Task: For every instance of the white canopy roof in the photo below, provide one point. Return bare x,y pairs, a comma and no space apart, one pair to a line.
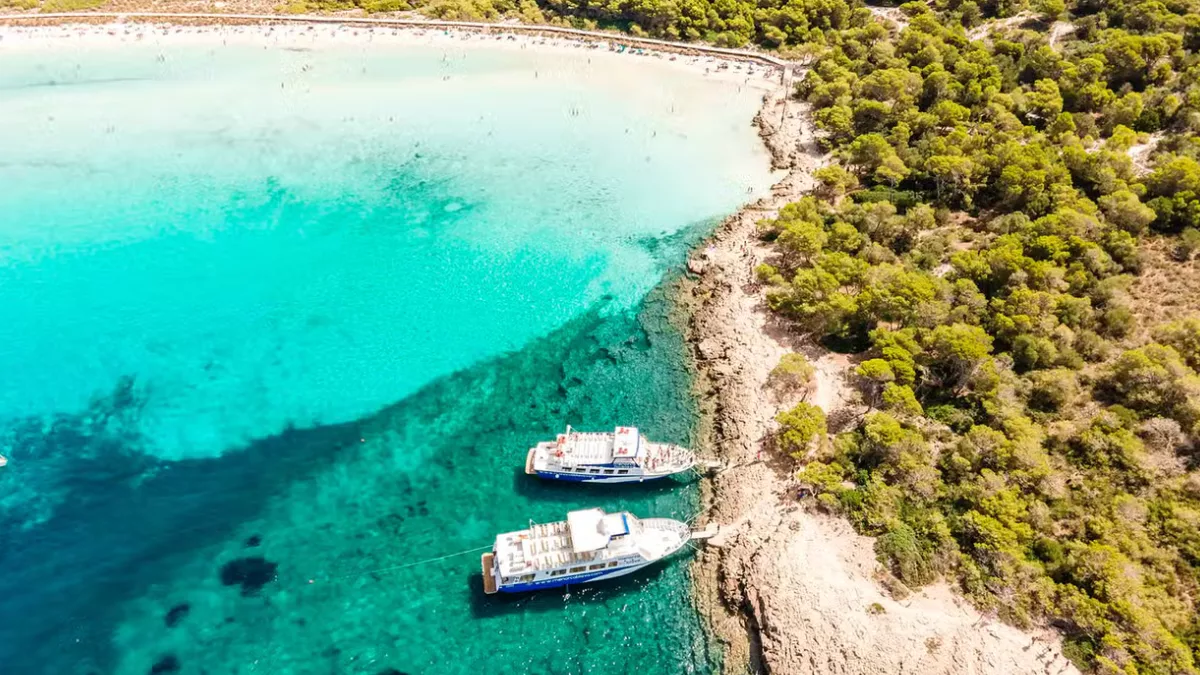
626,442
591,529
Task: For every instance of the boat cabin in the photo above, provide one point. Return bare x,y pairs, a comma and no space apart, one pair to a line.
590,543
619,456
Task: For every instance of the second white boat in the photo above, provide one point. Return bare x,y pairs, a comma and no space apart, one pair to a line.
622,456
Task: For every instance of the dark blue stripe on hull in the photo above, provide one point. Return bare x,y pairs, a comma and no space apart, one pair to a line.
576,478
556,582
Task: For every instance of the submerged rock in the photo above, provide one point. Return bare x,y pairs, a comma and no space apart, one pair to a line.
176,614
392,671
253,541
167,664
250,573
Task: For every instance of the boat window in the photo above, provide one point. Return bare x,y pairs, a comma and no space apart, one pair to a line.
622,472
576,570
608,472
597,567
594,470
527,577
612,564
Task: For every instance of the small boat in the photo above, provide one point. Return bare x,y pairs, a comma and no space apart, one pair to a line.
624,456
3,460
590,545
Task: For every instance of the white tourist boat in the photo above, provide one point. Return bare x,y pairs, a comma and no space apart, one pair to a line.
590,545
622,456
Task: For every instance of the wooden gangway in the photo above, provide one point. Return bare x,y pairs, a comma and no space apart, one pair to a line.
710,531
489,576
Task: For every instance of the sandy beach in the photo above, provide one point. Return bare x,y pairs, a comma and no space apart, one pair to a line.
36,29
587,59
786,589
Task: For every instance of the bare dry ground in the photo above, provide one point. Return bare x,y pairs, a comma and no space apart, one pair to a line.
1167,289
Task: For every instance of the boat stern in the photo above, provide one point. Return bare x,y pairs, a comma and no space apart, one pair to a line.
538,459
488,563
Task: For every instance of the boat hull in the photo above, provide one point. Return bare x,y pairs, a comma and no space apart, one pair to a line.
593,478
571,581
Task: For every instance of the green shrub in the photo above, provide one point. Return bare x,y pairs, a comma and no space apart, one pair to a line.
1052,390
55,6
1189,243
792,374
957,419
1184,337
799,427
901,550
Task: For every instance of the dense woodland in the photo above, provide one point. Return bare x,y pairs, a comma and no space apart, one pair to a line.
731,23
993,202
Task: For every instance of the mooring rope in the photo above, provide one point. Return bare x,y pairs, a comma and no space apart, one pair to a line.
405,565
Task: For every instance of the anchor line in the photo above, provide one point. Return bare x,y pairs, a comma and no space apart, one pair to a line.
405,565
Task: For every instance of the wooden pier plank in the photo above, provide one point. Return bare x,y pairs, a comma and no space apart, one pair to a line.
489,578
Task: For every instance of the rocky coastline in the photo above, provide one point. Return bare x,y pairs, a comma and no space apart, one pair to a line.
787,589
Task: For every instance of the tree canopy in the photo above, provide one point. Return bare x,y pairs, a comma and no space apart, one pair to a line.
975,244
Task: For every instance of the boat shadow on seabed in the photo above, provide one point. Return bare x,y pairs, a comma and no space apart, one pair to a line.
555,599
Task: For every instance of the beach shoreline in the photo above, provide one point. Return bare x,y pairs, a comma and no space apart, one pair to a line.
760,73
497,30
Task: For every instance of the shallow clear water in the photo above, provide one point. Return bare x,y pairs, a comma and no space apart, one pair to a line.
313,306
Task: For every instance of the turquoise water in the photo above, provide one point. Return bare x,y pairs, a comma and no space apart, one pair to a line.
307,309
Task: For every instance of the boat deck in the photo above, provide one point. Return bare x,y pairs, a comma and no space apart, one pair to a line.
588,448
489,579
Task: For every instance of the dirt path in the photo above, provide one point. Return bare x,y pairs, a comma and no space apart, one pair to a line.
893,14
1059,30
1141,153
